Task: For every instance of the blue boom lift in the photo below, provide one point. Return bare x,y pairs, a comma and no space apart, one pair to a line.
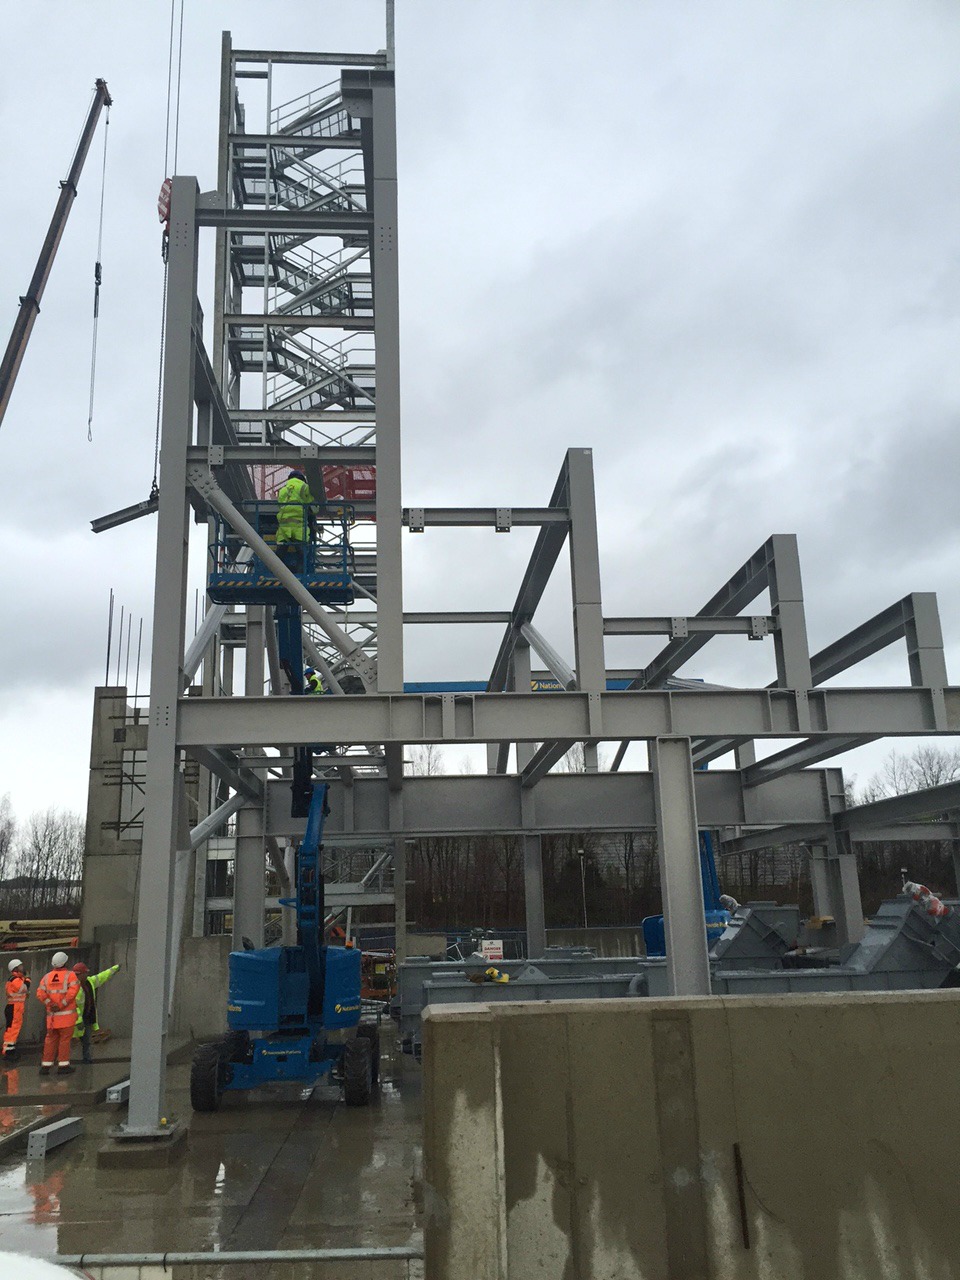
303,1000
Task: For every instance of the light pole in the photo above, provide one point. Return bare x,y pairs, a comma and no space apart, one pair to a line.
583,884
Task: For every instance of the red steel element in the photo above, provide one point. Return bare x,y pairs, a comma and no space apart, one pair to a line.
340,484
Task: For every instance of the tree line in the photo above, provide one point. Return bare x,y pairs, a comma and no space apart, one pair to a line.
41,863
478,881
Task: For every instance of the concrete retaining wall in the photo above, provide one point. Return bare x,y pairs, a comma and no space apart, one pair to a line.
734,1138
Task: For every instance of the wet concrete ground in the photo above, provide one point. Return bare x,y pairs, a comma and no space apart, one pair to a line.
271,1169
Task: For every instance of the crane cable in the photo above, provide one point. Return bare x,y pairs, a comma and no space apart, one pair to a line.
98,277
155,487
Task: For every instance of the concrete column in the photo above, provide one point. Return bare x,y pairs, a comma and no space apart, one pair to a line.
678,850
110,857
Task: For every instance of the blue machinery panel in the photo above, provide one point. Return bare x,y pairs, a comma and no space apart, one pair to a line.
715,917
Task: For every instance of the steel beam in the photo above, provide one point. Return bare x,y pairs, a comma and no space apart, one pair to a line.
470,517
505,717
931,802
755,627
295,455
432,619
295,222
309,58
548,655
472,804
544,556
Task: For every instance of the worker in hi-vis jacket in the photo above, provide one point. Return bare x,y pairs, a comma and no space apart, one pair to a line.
87,1022
295,520
18,988
57,992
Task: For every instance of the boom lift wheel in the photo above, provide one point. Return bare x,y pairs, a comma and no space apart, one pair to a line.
236,1045
357,1071
208,1075
370,1031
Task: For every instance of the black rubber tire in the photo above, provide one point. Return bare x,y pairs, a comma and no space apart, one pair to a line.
236,1045
207,1076
370,1031
357,1072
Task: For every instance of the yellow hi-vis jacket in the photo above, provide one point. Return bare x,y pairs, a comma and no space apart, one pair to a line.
96,980
295,501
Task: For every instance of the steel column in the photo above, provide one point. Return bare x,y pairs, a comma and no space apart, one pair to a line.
386,328
533,897
155,908
678,852
585,573
786,605
249,867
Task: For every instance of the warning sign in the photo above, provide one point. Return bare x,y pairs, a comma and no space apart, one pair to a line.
492,948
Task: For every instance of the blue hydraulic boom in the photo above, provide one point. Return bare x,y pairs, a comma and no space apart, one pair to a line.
715,914
293,1012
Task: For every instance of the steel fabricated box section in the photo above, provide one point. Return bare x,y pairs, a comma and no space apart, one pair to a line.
341,991
268,989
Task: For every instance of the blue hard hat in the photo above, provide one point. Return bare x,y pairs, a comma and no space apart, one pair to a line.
296,475
309,672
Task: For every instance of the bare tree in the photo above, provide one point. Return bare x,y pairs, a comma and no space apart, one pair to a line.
47,864
8,836
424,762
926,766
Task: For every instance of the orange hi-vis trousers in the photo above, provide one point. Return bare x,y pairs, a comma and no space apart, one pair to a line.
56,1046
11,1033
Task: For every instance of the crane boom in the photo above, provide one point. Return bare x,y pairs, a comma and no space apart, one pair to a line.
30,302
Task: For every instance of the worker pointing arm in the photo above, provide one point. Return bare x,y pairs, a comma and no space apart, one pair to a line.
87,1015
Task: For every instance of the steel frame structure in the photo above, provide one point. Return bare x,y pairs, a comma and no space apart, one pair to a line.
279,191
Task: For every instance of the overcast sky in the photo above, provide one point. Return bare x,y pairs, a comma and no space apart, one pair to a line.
716,243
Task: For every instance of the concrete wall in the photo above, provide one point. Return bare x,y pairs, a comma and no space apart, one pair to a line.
579,1140
111,855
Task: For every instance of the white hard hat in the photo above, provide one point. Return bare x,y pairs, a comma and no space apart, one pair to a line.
14,964
59,959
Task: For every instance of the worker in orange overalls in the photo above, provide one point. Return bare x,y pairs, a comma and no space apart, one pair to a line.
18,986
58,992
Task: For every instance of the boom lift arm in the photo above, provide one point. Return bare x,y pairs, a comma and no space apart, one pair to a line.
30,302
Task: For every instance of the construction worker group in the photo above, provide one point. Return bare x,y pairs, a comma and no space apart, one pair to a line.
69,998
